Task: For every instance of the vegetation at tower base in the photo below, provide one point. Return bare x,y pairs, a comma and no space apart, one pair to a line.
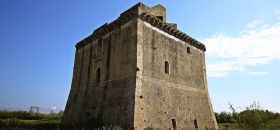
26,120
23,120
251,118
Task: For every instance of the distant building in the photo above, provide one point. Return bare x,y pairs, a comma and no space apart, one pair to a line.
34,109
140,72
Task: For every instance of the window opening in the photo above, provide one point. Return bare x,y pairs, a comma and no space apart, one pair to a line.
160,17
189,50
195,123
166,68
98,73
174,124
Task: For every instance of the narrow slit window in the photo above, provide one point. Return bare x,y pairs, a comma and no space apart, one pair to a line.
189,50
195,123
166,67
174,124
87,114
98,73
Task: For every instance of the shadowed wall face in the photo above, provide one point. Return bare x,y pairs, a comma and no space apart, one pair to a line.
103,79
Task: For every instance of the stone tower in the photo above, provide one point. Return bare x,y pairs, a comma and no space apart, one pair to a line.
140,72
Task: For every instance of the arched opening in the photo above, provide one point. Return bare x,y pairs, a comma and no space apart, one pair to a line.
166,67
98,73
189,50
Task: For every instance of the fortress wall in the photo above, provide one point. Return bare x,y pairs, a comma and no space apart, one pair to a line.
68,115
181,94
112,99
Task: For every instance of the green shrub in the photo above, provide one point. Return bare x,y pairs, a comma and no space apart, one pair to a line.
224,117
273,124
253,117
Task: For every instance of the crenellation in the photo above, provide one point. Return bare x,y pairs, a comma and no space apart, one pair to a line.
129,15
181,35
176,33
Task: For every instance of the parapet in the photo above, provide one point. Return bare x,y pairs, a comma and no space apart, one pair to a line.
155,15
158,11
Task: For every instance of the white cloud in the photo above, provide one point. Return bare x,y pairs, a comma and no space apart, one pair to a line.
222,69
254,25
54,108
257,44
258,73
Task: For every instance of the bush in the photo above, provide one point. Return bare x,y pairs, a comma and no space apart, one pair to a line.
250,120
253,117
224,117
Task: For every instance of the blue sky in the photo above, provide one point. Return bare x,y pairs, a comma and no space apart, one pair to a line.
37,41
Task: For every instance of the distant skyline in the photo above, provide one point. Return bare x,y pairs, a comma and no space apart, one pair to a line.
38,38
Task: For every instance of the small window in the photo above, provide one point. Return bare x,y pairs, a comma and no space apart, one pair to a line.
174,124
160,17
166,67
195,123
98,73
87,114
189,50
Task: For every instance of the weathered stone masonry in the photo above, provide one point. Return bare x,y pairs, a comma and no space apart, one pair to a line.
140,72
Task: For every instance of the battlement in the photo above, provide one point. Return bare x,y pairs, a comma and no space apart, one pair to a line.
155,15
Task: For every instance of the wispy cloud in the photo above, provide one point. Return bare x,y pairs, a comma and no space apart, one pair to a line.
257,44
258,73
54,108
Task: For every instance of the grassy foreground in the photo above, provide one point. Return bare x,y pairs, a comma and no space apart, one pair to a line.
251,118
22,120
26,120
19,124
